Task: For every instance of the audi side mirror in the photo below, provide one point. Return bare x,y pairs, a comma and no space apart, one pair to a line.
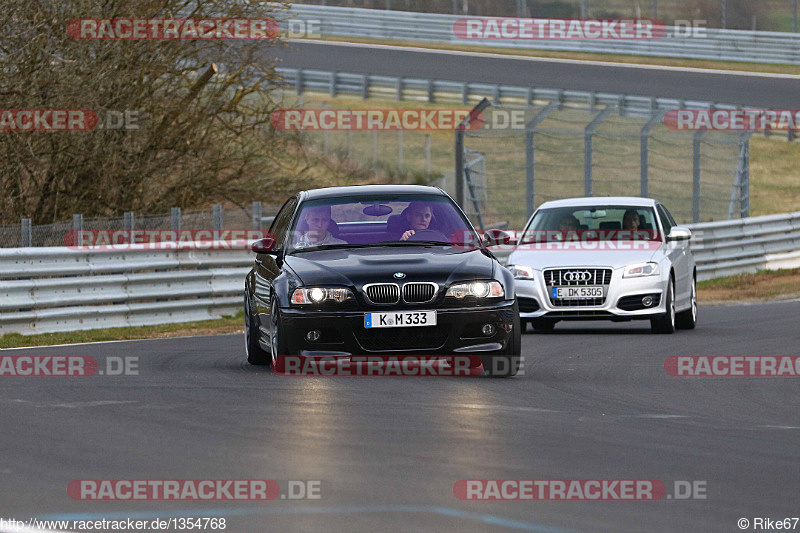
679,233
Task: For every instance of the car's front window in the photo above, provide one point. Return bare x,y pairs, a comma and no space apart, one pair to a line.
612,222
368,221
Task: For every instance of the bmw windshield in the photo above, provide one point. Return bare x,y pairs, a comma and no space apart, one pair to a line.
384,220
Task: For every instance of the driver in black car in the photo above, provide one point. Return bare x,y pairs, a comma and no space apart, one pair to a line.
419,217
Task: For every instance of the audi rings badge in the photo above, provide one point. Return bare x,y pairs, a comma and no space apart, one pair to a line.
574,276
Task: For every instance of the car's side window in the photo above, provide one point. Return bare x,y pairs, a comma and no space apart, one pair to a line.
666,219
282,219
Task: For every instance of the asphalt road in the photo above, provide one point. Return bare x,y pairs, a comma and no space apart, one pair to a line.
777,92
594,402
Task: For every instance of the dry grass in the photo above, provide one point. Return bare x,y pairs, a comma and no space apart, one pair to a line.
773,285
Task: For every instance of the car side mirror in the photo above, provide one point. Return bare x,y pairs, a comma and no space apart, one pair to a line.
496,237
679,233
264,246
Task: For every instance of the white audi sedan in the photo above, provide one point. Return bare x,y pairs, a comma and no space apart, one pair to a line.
615,258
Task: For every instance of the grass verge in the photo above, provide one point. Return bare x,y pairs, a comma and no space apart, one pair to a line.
762,286
233,324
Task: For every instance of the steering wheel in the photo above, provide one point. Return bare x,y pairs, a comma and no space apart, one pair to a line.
428,235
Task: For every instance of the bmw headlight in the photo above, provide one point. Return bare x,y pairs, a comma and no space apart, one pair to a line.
319,295
521,271
477,289
640,270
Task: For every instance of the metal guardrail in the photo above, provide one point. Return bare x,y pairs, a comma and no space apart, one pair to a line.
441,91
51,289
746,245
59,289
717,44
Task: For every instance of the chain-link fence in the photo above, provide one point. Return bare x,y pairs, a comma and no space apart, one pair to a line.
767,15
561,152
258,216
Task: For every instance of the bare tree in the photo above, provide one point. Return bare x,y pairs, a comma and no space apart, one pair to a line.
203,110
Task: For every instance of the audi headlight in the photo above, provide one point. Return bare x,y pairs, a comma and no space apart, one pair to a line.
318,295
640,270
521,271
478,289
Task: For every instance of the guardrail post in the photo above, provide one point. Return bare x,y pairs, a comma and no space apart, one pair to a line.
26,233
257,214
465,93
299,81
400,89
696,153
587,149
175,216
216,215
127,221
333,85
530,155
644,151
365,87
430,92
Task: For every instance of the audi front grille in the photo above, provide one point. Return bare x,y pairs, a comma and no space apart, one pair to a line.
419,292
577,277
382,293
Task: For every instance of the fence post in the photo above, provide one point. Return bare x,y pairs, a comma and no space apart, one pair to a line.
461,198
644,151
127,221
400,149
587,147
530,155
428,155
374,148
216,214
653,9
77,222
257,214
696,153
724,14
794,16
744,191
175,215
26,233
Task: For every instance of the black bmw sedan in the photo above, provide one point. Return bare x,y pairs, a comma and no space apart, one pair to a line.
378,270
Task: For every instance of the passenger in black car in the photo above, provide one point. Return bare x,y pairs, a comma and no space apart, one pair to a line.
318,219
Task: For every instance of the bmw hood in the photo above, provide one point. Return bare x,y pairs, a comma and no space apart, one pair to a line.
357,267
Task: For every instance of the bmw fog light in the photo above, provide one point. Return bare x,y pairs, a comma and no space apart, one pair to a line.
488,330
313,335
